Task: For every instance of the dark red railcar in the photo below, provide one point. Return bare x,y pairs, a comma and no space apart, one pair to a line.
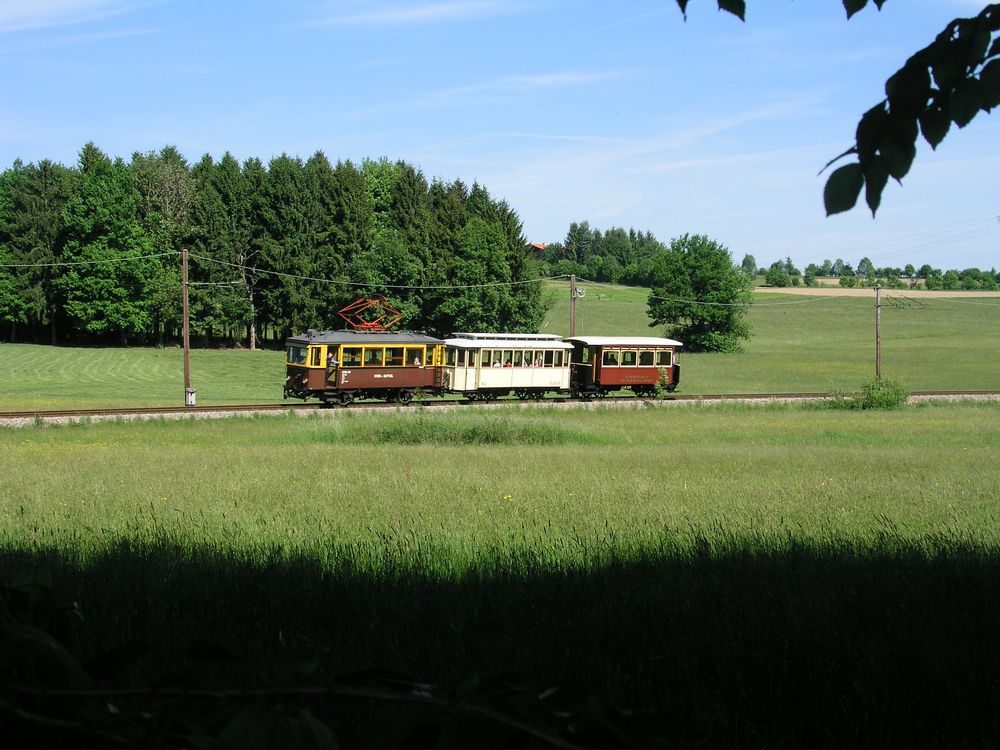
602,364
341,366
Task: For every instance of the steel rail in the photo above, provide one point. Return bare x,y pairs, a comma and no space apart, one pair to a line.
231,409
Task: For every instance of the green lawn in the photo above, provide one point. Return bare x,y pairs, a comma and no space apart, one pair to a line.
814,344
799,344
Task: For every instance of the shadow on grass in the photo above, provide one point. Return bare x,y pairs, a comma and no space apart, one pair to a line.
813,645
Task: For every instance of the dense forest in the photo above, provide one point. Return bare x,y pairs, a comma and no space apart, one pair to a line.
91,254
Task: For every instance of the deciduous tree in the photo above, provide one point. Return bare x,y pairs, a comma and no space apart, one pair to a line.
700,296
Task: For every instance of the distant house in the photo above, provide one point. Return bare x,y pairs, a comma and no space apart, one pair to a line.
536,248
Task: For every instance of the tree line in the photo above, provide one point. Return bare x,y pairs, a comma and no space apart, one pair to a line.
615,256
783,273
91,253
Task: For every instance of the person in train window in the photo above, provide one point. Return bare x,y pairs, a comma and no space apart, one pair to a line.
331,360
416,360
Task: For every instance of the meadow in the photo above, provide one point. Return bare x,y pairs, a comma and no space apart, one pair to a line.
799,344
803,343
741,575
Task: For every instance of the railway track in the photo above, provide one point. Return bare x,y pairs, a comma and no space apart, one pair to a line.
42,416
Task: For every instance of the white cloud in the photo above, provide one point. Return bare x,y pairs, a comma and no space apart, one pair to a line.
395,15
22,15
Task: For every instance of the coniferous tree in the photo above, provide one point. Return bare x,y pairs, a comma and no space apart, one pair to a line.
108,289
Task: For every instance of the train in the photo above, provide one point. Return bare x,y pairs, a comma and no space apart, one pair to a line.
339,367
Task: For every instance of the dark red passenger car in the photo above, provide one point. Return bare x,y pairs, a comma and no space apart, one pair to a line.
602,364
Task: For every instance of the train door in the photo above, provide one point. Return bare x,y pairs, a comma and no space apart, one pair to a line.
584,364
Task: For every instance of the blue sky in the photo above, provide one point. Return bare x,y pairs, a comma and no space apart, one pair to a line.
619,113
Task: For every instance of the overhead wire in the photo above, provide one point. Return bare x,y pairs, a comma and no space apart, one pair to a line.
812,300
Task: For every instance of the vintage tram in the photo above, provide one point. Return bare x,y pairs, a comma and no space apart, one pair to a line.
342,366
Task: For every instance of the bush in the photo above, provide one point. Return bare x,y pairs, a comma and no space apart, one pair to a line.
876,393
883,393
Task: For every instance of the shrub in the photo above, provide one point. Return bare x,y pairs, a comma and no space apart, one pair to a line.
883,393
876,393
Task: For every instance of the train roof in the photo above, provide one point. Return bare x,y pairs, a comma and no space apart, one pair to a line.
360,338
507,341
508,336
623,341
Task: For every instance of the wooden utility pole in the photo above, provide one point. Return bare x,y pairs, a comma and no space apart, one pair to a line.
572,305
189,394
878,331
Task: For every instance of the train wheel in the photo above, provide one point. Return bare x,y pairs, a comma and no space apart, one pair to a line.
404,396
345,397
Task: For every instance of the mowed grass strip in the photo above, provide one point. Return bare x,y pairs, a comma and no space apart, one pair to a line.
799,344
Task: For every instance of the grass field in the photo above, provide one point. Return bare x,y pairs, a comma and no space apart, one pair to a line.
755,576
799,344
815,344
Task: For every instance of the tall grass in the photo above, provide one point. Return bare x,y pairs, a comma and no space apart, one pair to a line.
751,575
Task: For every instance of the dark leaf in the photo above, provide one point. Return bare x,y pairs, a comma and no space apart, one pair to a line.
897,158
853,6
876,177
989,85
948,67
909,88
870,131
737,7
843,188
934,124
966,102
902,127
976,51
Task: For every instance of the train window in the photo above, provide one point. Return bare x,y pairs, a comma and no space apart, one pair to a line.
561,358
373,357
461,358
352,356
585,359
394,356
548,358
416,356
610,358
646,358
536,359
663,358
485,359
297,355
508,356
629,357
518,358
449,356
315,360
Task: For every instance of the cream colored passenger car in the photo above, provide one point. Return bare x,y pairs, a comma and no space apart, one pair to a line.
489,365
